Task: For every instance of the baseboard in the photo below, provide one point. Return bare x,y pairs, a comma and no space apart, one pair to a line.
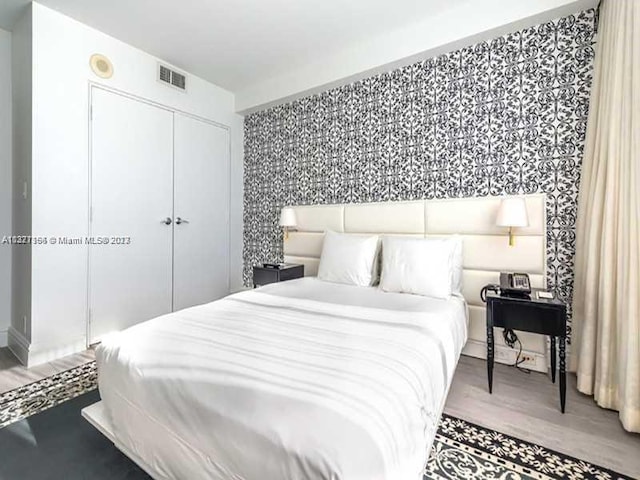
19,345
39,353
32,354
4,338
506,355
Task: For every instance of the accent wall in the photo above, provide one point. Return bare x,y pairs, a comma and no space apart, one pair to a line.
506,116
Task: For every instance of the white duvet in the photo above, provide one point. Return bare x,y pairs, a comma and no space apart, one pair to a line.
273,385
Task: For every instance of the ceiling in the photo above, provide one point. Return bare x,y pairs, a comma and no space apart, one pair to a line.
11,11
234,42
269,51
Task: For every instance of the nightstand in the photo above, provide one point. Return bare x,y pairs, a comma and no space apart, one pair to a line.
265,275
535,315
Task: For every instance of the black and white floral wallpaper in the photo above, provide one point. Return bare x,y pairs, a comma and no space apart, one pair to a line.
505,116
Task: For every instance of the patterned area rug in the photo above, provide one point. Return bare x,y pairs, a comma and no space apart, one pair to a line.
461,449
38,396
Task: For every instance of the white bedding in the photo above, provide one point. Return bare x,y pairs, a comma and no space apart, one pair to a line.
298,380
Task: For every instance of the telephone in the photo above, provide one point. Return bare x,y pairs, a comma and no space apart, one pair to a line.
274,266
511,285
514,284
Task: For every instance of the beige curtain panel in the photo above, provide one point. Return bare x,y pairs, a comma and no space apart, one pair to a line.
606,305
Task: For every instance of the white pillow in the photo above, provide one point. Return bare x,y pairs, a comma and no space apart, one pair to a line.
423,266
348,259
456,280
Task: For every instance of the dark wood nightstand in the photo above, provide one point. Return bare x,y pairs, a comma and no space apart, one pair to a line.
265,275
535,315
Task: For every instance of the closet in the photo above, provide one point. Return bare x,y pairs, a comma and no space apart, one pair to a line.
159,212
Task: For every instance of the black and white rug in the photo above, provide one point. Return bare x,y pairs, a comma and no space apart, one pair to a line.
461,449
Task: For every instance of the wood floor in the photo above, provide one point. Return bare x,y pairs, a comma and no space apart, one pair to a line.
13,374
526,406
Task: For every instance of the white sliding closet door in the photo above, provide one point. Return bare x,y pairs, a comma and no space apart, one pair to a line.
132,196
201,203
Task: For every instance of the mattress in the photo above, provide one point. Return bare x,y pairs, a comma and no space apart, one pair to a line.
297,380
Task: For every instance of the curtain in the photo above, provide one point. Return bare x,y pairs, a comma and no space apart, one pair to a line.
606,304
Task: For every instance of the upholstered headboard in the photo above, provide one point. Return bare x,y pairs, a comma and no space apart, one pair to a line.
486,250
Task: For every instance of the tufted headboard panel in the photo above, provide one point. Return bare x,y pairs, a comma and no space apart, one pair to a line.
486,251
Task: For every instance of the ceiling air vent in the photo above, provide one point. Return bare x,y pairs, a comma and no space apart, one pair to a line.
172,78
178,80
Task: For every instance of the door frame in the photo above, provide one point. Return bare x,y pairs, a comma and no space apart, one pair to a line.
94,85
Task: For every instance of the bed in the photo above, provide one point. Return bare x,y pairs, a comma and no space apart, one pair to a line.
298,380
307,379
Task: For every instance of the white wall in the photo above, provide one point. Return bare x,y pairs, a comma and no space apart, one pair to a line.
61,75
6,154
21,67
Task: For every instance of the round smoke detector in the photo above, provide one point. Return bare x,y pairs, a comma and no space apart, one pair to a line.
101,66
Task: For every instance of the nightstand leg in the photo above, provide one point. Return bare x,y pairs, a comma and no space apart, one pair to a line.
490,357
553,358
563,375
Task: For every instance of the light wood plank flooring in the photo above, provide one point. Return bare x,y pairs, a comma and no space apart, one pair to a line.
524,406
527,406
14,375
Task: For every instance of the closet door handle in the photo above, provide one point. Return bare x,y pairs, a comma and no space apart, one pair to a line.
167,221
180,221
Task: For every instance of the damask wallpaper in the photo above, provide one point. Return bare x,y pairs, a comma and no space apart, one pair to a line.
505,116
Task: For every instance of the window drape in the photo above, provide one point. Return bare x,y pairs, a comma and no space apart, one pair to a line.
606,305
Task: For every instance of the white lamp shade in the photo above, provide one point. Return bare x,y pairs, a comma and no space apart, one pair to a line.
288,217
512,213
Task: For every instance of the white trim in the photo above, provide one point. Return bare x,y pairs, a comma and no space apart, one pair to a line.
39,353
18,344
31,354
4,338
168,108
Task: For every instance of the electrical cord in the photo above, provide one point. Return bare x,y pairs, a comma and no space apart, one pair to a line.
509,336
491,287
510,339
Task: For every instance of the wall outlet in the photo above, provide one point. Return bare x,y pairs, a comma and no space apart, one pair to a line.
509,356
528,361
24,324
